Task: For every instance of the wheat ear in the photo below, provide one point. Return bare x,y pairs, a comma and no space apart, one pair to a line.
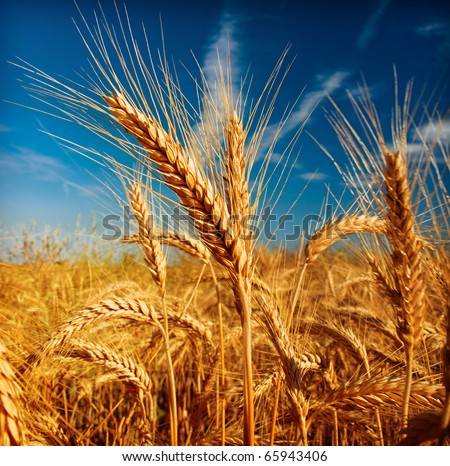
11,428
126,370
134,309
339,228
238,198
154,256
407,264
182,175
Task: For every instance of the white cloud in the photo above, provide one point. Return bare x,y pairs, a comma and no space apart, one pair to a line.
313,176
373,90
4,129
440,32
436,130
279,158
415,149
220,65
369,28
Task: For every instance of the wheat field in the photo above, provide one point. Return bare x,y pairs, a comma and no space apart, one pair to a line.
203,335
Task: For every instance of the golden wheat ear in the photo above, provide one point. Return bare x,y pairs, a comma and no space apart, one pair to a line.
11,426
154,256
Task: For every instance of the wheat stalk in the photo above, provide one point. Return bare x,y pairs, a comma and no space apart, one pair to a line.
207,209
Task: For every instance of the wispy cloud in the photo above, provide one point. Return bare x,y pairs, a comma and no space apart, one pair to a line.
374,90
278,158
90,191
4,128
437,28
25,161
223,51
369,28
25,167
221,68
325,85
440,32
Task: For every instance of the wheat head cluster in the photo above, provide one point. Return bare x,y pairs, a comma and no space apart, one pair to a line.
201,334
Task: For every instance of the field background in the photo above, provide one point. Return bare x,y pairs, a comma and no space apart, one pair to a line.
216,332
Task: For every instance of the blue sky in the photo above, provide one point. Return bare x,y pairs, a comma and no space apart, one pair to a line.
334,42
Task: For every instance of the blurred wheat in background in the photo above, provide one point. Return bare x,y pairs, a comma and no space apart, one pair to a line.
337,342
